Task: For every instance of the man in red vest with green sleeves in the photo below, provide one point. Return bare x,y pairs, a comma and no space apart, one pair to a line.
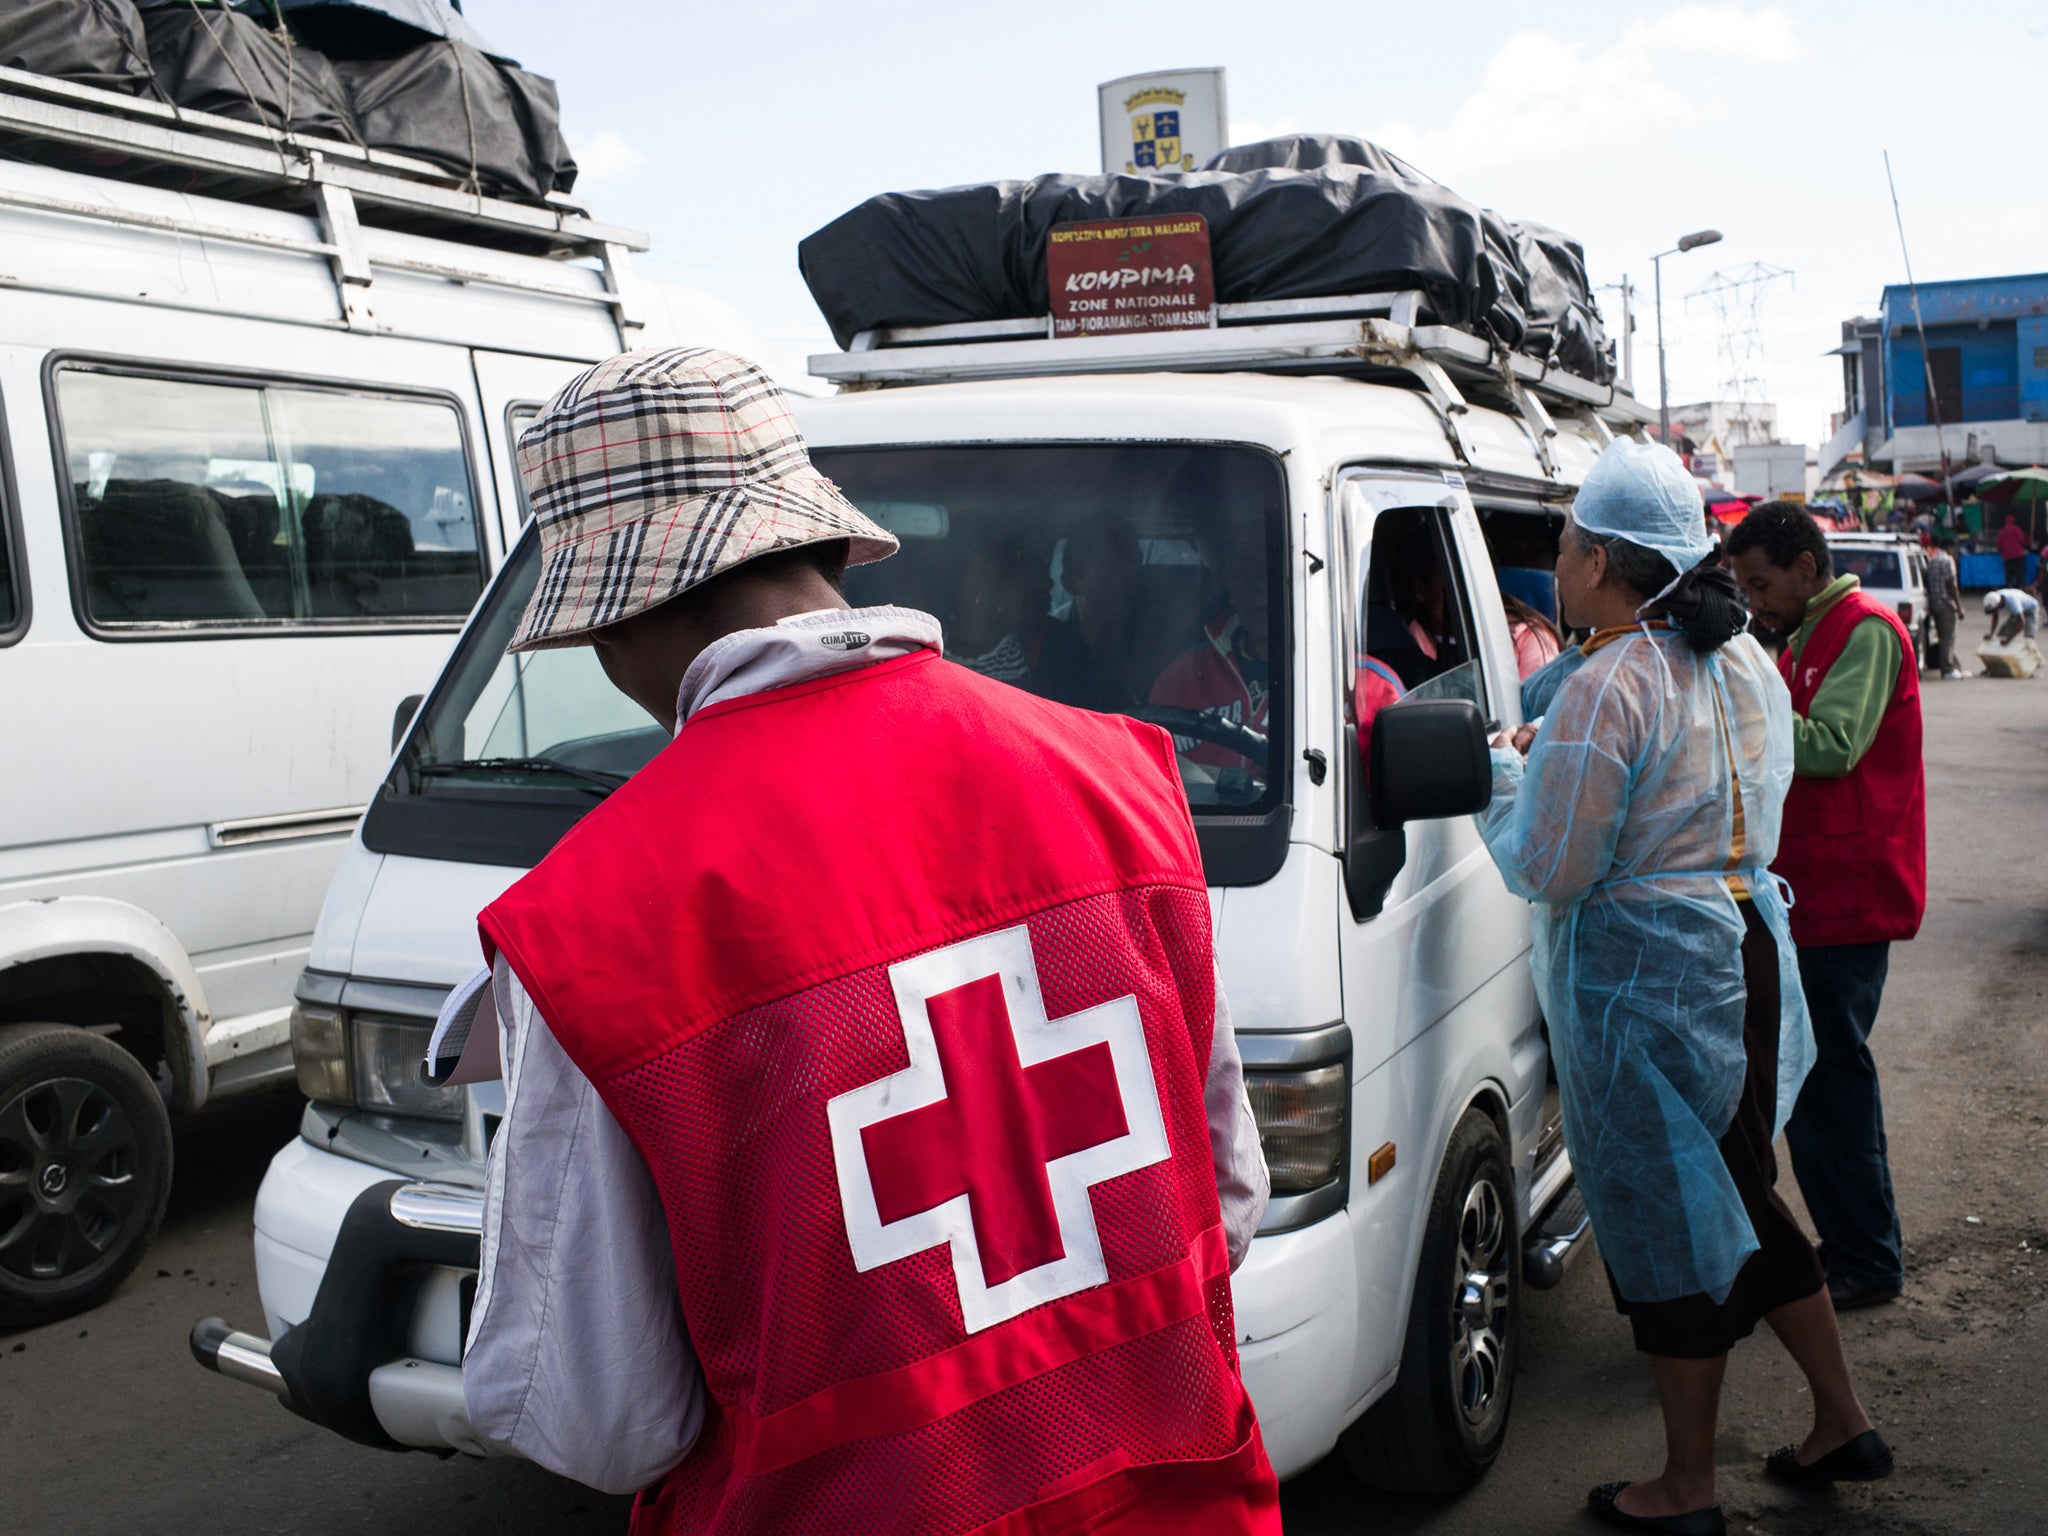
1854,851
876,1149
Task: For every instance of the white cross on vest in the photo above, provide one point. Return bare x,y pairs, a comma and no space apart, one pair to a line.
989,1140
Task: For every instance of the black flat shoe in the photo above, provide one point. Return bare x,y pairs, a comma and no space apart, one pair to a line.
1698,1522
1865,1459
1851,1295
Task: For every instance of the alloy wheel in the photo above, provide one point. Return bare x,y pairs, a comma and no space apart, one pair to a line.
1479,1304
69,1179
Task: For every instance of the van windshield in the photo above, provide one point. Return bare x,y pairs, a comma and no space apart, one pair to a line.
1139,579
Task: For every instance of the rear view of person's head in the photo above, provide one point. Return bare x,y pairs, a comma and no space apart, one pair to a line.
1641,511
1780,556
674,501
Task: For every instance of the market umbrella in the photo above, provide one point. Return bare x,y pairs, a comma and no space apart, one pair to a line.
1969,479
2023,487
1917,488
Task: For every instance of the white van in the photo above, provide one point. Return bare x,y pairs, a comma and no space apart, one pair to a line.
256,473
1090,519
1892,568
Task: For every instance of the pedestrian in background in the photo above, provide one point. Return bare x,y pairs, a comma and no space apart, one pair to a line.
1854,851
1944,605
2012,610
2012,549
1641,825
736,1254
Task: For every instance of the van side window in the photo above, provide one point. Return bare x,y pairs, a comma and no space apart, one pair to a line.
518,417
1415,616
260,505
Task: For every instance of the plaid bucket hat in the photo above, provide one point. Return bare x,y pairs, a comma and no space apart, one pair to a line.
655,471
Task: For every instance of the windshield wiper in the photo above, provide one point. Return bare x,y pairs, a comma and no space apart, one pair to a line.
593,779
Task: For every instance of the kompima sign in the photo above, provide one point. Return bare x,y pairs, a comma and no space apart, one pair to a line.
1108,276
1169,121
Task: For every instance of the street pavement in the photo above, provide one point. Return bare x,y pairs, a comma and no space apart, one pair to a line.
106,1425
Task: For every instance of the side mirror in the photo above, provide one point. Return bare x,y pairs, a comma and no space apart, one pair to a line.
401,718
1428,759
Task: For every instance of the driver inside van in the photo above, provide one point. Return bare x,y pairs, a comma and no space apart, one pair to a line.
1227,671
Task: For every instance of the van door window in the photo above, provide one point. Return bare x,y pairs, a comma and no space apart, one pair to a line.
1414,614
252,505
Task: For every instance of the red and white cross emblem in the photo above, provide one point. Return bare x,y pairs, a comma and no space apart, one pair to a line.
990,1138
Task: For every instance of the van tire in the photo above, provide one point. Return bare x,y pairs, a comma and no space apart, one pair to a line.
85,1170
1420,1439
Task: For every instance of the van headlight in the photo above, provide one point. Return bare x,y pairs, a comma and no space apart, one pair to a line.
368,1062
1301,1124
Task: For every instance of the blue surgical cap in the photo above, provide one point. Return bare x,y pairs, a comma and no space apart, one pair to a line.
1641,493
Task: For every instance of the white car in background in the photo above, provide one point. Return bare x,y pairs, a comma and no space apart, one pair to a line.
1893,569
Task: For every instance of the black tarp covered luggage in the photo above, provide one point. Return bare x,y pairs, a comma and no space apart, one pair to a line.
223,62
372,29
1564,323
978,252
92,42
1306,151
462,109
1302,216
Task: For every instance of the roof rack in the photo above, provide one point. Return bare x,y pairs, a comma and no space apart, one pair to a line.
1370,334
344,185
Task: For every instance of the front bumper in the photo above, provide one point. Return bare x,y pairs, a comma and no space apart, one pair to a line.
1295,1298
366,1282
1296,1302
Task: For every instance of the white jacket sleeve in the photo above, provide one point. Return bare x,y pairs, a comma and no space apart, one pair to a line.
577,1355
1242,1184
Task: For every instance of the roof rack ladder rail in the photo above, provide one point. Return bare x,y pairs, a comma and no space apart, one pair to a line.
1602,433
1538,421
348,256
1406,308
1443,394
623,294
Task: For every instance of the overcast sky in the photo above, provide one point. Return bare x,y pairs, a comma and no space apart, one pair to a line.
730,132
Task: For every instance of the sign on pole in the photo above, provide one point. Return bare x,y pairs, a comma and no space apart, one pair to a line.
1171,120
1112,275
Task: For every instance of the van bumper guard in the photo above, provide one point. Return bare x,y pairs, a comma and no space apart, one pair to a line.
346,1367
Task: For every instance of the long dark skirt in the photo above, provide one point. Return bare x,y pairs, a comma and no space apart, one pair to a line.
1785,1267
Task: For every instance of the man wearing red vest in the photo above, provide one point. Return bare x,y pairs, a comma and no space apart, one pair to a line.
876,1151
1854,851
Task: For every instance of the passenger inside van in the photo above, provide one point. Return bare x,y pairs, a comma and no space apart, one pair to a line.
1085,658
1524,551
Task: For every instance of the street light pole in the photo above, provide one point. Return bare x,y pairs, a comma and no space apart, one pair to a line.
1691,242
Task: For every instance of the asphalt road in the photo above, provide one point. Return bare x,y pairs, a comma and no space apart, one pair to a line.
107,1426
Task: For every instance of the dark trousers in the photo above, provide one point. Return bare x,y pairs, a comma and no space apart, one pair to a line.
2016,572
1836,1132
1944,649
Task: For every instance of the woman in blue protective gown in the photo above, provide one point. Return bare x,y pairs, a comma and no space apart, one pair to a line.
1642,824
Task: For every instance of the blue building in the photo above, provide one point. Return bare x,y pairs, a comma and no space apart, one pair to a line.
1986,356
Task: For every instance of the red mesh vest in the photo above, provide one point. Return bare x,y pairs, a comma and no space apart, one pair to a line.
901,982
1854,849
